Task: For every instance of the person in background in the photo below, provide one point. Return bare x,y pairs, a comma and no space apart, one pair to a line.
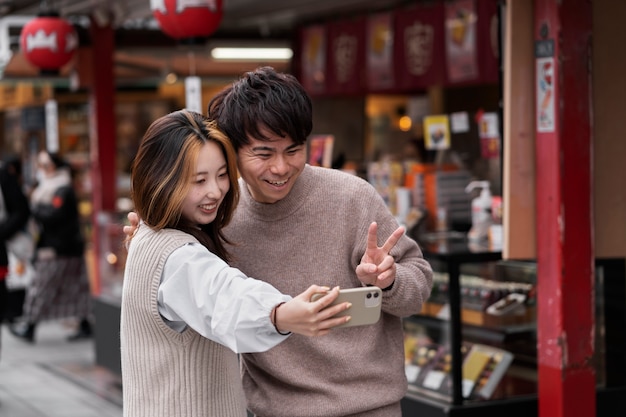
14,213
414,150
19,267
184,310
60,286
296,224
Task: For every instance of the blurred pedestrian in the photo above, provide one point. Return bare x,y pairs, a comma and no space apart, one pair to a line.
60,286
14,213
19,248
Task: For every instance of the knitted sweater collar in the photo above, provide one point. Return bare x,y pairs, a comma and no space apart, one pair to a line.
282,208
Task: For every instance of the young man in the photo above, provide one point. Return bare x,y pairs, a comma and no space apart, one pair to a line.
287,214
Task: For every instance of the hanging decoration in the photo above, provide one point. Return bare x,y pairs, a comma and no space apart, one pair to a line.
48,42
187,20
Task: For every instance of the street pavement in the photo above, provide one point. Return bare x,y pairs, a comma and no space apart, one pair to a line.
53,377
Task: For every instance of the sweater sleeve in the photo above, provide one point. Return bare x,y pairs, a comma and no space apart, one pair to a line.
199,290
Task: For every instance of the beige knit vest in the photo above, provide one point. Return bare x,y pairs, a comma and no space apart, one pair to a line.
166,373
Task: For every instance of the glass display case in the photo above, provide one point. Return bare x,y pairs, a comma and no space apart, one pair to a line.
475,340
473,349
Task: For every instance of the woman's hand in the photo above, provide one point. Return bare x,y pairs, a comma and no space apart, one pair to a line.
310,318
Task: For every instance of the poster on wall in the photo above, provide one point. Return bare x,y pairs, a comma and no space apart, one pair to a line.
380,51
321,150
437,132
461,41
314,58
459,122
489,133
545,94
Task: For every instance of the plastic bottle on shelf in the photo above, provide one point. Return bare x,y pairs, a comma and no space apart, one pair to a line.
481,211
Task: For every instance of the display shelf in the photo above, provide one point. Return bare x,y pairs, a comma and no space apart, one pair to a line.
453,322
453,253
499,336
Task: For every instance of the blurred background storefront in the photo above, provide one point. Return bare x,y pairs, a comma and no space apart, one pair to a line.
421,98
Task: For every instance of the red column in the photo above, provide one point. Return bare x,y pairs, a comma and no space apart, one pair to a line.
103,133
565,253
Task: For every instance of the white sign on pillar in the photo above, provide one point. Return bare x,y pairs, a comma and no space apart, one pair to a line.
193,94
52,126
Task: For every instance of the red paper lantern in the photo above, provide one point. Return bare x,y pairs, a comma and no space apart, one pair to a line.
187,19
48,42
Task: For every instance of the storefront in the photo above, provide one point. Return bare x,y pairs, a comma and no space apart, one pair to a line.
487,99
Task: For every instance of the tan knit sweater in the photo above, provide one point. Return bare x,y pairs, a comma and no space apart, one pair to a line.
165,373
317,235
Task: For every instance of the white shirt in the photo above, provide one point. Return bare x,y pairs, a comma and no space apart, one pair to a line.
198,289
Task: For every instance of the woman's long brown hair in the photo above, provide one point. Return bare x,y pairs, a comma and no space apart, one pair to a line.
162,170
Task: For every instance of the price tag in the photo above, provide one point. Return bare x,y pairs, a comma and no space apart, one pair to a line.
468,386
411,372
434,379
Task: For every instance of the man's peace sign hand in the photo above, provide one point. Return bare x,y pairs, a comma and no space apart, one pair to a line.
377,267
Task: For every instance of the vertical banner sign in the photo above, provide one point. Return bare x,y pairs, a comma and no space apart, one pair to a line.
380,51
346,56
52,126
419,38
193,94
461,41
544,54
488,41
313,59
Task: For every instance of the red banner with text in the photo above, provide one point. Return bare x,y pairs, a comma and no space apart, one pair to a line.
379,54
419,42
488,41
313,57
346,57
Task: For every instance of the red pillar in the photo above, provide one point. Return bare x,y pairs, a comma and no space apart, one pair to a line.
565,254
103,133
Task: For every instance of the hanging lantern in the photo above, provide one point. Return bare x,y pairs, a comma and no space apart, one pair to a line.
48,42
187,20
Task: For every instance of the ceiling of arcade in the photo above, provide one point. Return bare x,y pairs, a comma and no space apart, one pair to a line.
143,51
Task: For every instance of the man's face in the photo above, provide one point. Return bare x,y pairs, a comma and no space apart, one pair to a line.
270,168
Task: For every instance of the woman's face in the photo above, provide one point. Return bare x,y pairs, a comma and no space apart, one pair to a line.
45,166
209,185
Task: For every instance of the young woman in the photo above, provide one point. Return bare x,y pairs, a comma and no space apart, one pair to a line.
60,285
184,310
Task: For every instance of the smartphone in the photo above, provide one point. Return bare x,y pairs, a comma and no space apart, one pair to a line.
366,305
